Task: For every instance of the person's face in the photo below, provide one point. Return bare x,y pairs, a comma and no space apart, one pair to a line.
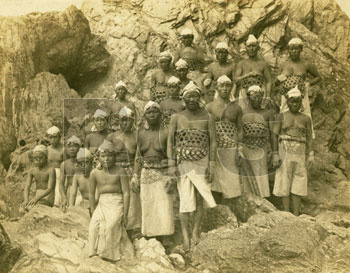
252,49
294,104
54,139
126,124
39,159
294,51
224,89
152,116
164,64
85,166
173,90
120,92
72,149
221,54
114,119
255,100
192,100
107,159
187,40
182,72
100,123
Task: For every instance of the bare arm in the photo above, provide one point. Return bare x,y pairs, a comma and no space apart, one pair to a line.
50,185
92,190
170,145
27,187
212,139
309,143
268,78
73,191
87,143
314,72
126,195
61,185
153,80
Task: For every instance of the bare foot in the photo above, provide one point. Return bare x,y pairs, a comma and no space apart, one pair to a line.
186,244
195,237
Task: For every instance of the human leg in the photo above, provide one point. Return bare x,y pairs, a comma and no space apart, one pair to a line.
197,218
296,203
184,220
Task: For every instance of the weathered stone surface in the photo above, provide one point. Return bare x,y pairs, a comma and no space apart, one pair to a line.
9,253
216,217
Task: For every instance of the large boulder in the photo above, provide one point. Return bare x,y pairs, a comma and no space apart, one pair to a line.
9,253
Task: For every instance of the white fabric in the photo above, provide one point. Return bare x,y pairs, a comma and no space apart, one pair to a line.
186,31
222,45
251,40
53,130
295,41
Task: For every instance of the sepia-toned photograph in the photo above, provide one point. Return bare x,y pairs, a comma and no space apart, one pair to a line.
152,136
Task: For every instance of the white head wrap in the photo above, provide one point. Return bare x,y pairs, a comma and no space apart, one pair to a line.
186,31
191,87
126,112
254,89
222,45
40,149
295,41
174,80
151,104
181,64
106,146
100,113
223,79
165,55
74,140
84,154
251,40
120,84
294,93
53,131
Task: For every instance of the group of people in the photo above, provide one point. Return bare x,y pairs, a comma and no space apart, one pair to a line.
205,137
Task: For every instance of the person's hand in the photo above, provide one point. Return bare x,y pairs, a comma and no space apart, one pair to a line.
310,159
210,171
64,204
281,78
276,161
135,183
169,185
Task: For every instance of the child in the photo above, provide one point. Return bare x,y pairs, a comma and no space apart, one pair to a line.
68,169
109,219
55,157
295,151
81,180
44,177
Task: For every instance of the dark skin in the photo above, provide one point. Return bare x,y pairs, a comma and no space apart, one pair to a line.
254,66
192,117
55,151
119,103
298,66
68,169
217,107
162,75
173,102
44,177
294,119
95,139
110,179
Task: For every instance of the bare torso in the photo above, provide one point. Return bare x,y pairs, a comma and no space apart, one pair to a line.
108,181
41,177
216,70
119,144
160,77
83,184
294,124
175,105
217,107
188,120
55,156
94,140
249,65
153,143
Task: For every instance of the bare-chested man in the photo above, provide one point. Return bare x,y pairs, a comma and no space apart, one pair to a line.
173,103
55,157
252,71
68,168
295,151
191,152
119,102
258,131
161,76
110,217
221,67
44,177
228,123
81,180
124,141
294,72
151,175
191,53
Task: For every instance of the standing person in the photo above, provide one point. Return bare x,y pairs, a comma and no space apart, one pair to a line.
221,67
161,76
44,177
173,103
258,128
119,101
252,71
151,175
228,123
55,157
68,168
295,72
127,136
107,235
181,67
191,152
295,151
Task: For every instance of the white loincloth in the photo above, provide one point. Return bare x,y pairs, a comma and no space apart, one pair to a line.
107,236
192,178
